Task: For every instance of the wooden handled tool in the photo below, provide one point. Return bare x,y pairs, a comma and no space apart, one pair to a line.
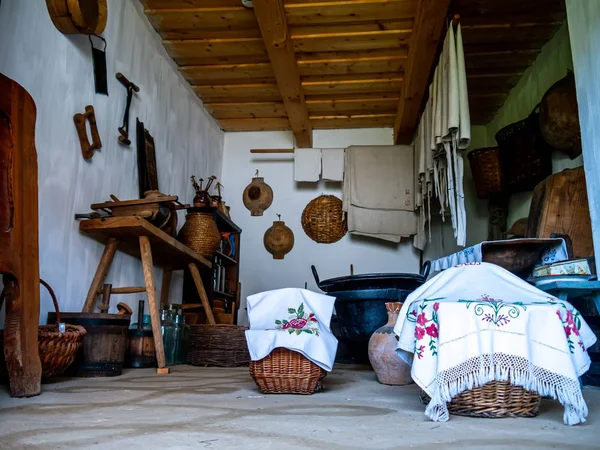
87,148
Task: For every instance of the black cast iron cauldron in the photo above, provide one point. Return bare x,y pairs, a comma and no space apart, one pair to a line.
360,306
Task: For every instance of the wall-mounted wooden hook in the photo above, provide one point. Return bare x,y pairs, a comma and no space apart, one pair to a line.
87,148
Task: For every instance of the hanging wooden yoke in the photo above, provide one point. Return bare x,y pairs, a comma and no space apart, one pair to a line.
87,148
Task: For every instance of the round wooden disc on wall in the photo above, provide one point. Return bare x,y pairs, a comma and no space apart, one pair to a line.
78,16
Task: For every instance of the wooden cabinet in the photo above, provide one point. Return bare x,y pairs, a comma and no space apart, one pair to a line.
222,281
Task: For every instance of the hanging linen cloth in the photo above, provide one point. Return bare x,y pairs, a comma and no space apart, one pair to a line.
477,323
443,133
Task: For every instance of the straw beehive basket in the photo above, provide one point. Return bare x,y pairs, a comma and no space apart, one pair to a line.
200,233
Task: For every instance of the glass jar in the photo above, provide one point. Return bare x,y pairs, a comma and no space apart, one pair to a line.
184,339
146,324
169,334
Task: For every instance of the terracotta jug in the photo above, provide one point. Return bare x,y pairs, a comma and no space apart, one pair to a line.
388,366
279,239
257,196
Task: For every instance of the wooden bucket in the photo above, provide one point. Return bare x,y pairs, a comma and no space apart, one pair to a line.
141,351
104,346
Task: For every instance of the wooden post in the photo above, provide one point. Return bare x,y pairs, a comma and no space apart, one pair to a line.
101,272
202,293
166,286
148,267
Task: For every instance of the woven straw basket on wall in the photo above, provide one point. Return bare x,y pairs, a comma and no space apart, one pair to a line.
323,219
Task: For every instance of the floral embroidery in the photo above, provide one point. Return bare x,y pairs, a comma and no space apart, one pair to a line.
571,324
425,326
299,322
496,306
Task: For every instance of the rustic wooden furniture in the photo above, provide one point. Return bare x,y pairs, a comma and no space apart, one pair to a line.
560,206
232,273
302,65
19,262
137,237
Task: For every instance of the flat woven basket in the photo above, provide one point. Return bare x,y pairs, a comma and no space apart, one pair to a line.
218,346
323,219
526,157
487,171
57,350
285,371
494,400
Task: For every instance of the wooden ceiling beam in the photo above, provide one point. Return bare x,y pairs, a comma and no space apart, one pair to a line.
201,74
272,22
427,33
258,124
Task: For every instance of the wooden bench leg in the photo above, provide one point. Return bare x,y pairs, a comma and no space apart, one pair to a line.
148,267
202,293
101,272
21,335
166,286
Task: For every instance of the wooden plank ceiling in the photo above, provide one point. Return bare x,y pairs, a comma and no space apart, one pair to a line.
307,64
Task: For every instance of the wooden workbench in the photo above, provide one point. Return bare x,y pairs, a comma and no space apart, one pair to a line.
138,237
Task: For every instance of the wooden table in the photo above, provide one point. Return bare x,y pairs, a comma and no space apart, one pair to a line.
138,237
570,290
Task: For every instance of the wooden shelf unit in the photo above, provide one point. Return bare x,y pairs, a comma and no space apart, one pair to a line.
231,296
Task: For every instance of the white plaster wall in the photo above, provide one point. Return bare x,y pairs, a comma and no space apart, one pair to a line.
584,26
259,271
57,71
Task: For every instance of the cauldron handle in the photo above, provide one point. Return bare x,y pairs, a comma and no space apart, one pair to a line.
425,269
316,275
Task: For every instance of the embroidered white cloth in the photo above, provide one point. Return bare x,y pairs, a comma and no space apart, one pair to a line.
476,323
307,164
474,254
292,318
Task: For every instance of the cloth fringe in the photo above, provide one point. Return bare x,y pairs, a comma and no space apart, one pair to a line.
569,395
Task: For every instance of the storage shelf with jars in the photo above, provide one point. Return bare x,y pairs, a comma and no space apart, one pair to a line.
222,281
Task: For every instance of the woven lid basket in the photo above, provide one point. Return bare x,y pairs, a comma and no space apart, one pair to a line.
218,345
487,171
323,219
57,350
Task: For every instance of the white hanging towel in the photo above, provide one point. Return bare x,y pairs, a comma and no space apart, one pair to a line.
296,319
307,164
333,164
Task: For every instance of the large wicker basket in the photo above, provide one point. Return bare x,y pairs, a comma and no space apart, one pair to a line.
487,171
218,346
323,219
497,399
57,350
285,371
200,233
526,157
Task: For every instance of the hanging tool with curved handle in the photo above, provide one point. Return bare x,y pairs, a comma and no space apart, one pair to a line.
87,148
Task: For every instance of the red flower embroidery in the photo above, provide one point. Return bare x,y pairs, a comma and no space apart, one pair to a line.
569,318
432,330
413,312
575,330
568,331
421,319
558,314
436,306
419,333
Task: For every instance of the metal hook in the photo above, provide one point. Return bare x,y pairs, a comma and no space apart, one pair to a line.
278,216
256,174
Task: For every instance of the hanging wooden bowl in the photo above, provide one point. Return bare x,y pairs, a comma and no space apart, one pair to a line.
257,196
323,219
78,16
279,239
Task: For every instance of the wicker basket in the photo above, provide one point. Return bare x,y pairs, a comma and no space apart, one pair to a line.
487,171
323,219
57,350
218,345
285,371
494,400
200,233
526,157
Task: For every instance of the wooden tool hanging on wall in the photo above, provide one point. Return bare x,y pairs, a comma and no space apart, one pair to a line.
124,129
87,148
78,16
146,160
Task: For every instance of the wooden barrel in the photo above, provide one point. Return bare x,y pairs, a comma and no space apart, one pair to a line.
104,346
141,349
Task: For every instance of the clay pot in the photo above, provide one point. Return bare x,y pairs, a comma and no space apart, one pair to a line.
559,117
200,233
257,196
279,239
388,366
